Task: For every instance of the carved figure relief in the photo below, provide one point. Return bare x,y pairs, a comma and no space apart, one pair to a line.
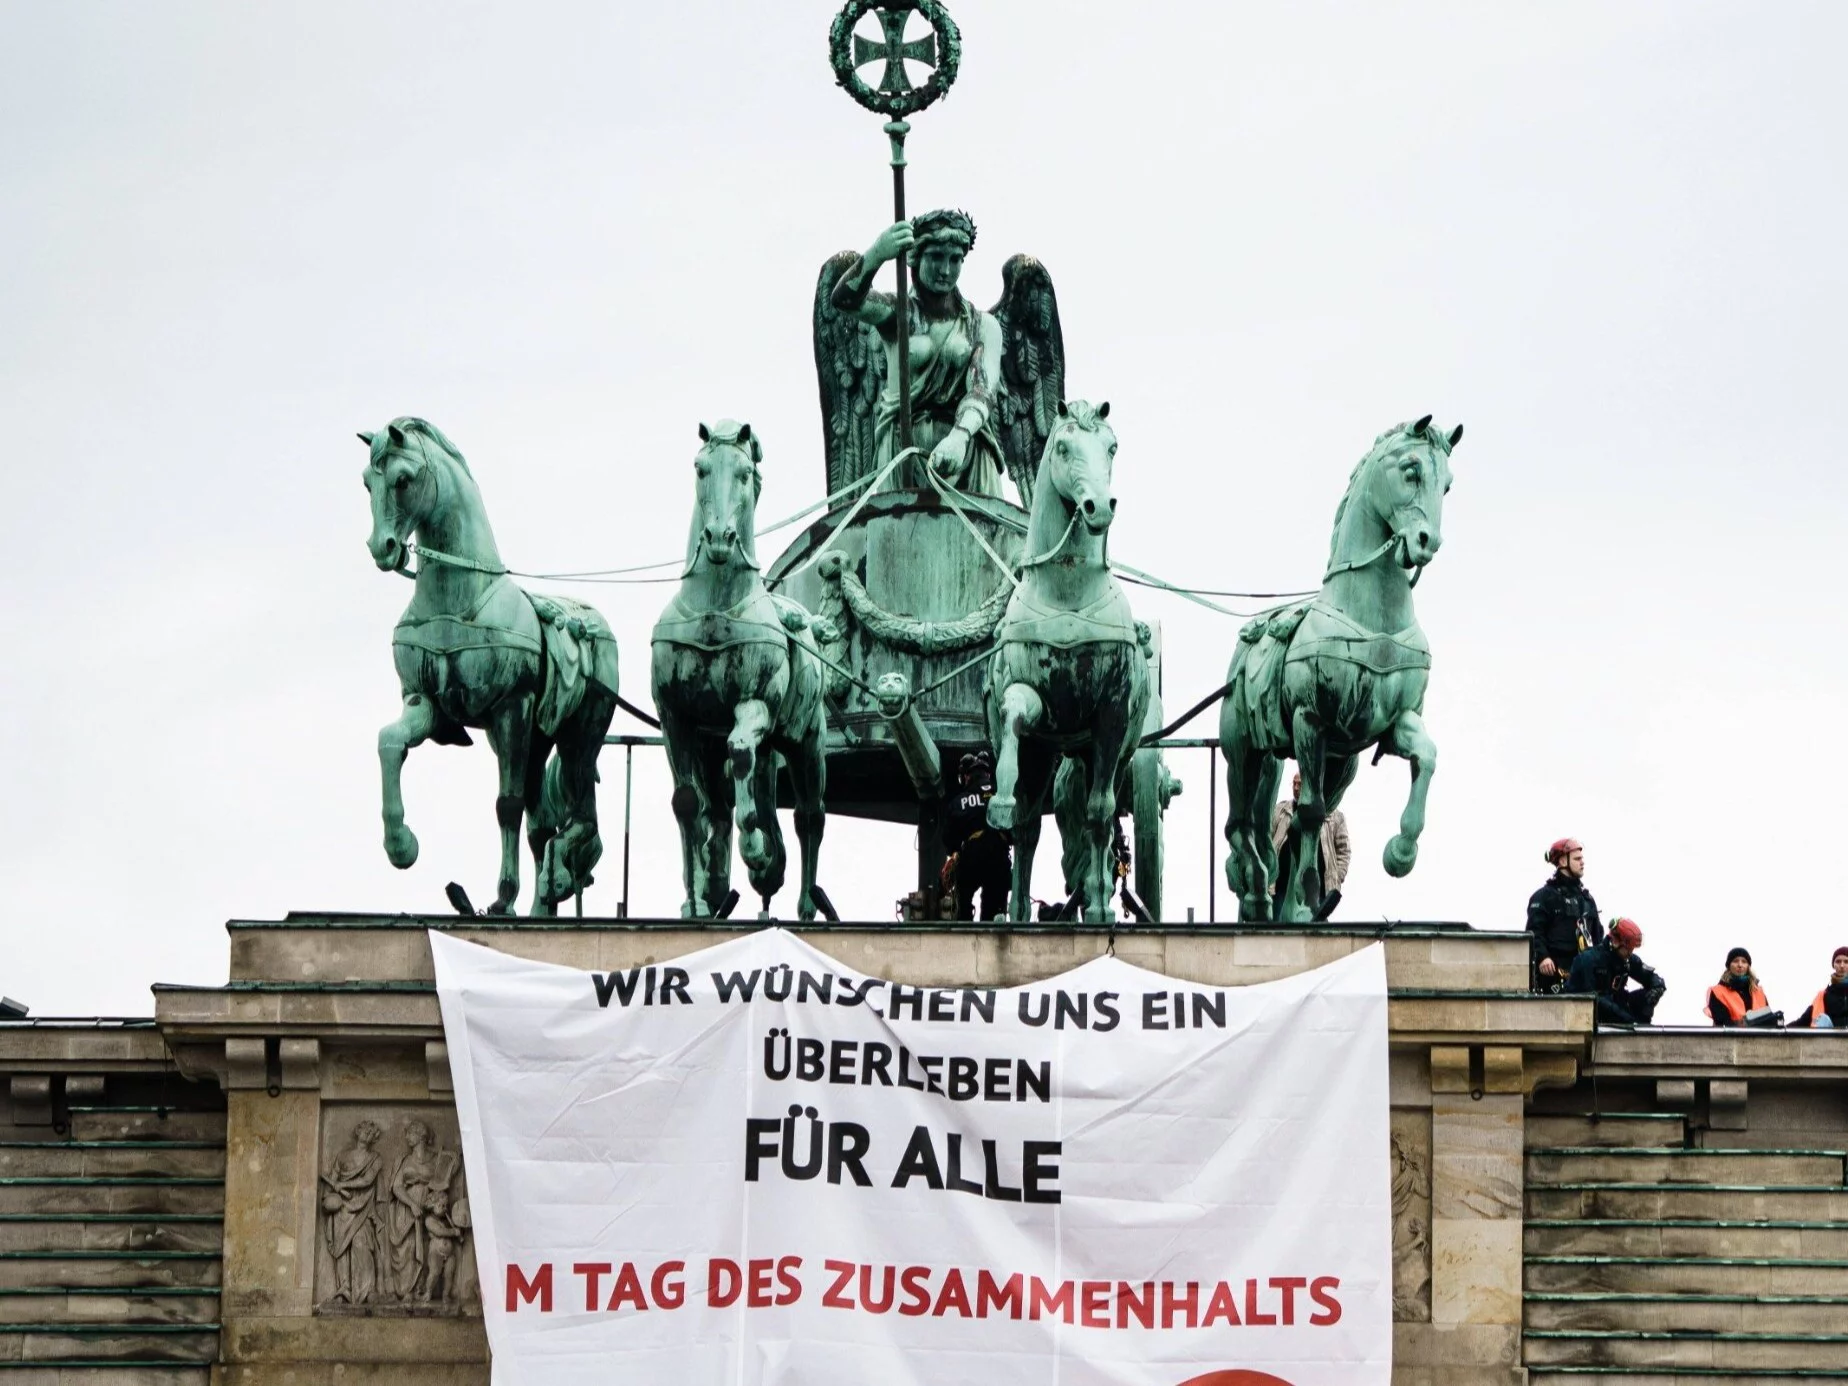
394,1216
1411,1216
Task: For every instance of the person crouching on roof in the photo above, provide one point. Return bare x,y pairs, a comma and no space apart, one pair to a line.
1607,971
1829,1011
1737,999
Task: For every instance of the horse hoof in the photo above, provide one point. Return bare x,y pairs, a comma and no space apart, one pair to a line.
805,910
401,847
500,907
1001,812
1401,855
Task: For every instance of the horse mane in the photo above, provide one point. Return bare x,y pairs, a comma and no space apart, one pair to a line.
1378,450
412,424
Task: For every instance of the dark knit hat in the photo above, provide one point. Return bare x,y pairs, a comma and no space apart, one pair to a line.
1745,953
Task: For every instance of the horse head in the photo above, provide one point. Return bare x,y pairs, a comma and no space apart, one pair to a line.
1400,487
1076,466
402,479
726,487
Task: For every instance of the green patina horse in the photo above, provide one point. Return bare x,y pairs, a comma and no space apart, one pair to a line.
736,687
1068,677
1322,682
474,650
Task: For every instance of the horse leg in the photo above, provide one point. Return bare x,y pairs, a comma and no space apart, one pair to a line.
1409,739
510,734
1021,711
1035,765
683,758
544,815
1251,786
808,779
717,794
768,878
1299,866
1101,767
413,726
750,724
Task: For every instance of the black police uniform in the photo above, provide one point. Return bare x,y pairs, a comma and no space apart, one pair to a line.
1600,972
984,862
1562,922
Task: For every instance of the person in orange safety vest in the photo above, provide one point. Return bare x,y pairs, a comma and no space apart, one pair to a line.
1829,1011
1737,998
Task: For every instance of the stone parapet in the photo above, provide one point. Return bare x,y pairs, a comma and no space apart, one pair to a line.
345,948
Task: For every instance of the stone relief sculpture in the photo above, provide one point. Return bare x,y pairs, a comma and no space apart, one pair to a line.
1411,1217
395,1224
350,1204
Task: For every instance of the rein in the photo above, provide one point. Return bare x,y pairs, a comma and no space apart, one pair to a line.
426,555
1355,564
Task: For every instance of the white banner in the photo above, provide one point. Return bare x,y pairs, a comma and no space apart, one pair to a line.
752,1165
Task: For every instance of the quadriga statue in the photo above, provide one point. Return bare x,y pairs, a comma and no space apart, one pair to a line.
1068,677
737,685
1323,682
537,673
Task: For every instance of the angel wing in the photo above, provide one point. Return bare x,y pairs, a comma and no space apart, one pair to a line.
850,366
1032,368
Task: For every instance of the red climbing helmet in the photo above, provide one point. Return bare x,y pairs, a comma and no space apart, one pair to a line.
1627,932
1565,847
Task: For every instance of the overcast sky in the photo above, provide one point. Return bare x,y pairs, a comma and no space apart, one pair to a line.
1606,237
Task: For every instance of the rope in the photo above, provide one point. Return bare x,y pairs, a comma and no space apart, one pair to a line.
948,493
847,519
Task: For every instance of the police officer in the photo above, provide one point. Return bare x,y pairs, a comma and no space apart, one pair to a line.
1562,918
1607,971
982,855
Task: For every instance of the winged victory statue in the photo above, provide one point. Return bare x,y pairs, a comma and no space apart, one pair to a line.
985,386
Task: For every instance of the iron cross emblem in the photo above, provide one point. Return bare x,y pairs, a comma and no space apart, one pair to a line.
895,50
940,50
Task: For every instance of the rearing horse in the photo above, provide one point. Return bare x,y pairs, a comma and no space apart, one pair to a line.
474,650
1067,678
1321,683
736,688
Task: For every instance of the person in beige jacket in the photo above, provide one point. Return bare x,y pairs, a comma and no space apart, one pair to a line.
1335,853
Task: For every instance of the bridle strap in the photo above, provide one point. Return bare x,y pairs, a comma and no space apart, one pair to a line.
425,554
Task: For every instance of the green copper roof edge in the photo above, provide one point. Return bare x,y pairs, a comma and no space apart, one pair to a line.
112,1181
112,1145
1781,1224
106,1254
1668,1297
112,1291
451,922
1631,1335
1612,1259
1657,1151
1700,1188
112,1217
420,988
107,1330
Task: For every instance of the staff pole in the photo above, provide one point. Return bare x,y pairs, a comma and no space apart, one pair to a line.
898,129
